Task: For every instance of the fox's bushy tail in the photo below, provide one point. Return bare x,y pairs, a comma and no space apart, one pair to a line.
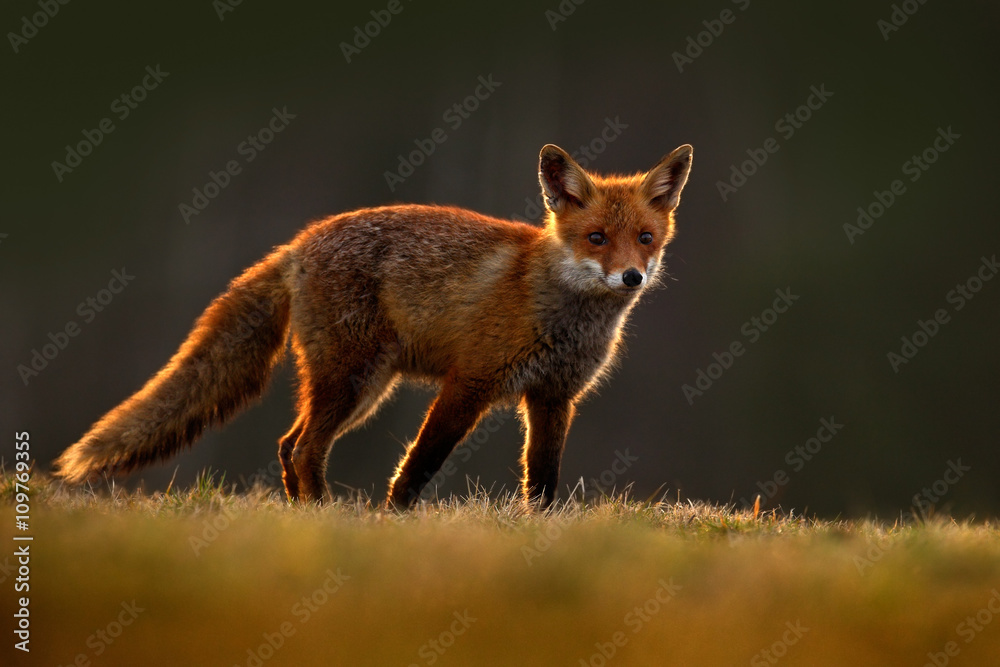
225,362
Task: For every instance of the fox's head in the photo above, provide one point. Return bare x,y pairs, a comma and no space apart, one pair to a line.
613,228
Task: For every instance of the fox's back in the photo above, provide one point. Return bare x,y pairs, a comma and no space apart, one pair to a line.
428,243
437,278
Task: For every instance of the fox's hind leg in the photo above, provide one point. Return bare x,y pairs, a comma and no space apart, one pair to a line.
326,409
285,447
334,400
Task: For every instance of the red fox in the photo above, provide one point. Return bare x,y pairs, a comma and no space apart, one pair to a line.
493,312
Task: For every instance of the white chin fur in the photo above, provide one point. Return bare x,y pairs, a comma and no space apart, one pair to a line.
581,273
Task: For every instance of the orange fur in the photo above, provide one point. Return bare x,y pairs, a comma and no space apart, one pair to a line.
495,313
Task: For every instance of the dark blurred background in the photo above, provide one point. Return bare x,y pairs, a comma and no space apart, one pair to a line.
563,77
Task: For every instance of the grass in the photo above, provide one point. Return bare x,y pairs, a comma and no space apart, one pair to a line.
207,576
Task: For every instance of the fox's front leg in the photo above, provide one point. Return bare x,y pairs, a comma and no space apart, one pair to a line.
452,416
548,419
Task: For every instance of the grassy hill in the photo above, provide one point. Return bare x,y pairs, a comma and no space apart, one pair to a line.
206,576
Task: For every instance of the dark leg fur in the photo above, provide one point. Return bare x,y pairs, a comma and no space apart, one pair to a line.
548,423
332,403
285,447
451,417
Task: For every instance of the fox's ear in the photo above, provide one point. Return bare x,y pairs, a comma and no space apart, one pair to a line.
664,182
563,181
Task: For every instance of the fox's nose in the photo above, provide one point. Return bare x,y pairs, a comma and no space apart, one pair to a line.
632,278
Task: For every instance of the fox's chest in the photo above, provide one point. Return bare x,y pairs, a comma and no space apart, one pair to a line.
571,349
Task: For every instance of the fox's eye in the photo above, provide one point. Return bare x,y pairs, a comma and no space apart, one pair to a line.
645,238
597,238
